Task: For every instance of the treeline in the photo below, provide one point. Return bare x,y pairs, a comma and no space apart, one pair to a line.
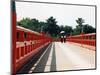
51,28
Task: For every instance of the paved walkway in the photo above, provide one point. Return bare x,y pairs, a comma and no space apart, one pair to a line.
64,56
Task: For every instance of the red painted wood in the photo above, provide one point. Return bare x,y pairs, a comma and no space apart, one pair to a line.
14,43
30,46
87,39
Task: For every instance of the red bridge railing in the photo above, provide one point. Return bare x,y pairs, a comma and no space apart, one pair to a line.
86,39
28,44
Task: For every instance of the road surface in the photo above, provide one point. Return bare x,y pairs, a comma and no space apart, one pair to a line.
64,56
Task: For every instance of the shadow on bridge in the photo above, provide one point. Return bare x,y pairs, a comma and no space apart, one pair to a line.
40,66
53,62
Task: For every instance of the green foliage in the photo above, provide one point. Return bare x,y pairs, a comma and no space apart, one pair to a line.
32,24
27,23
80,22
51,28
81,28
37,26
68,30
88,29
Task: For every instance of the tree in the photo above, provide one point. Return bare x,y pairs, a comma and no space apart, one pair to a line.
68,30
32,24
76,30
80,28
61,28
25,22
37,25
52,28
80,22
88,29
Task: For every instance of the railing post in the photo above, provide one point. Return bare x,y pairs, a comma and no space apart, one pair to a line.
13,38
82,38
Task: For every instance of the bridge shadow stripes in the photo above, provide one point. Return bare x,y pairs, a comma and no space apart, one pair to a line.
28,65
53,62
40,67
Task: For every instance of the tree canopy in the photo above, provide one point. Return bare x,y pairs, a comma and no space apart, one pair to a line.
51,28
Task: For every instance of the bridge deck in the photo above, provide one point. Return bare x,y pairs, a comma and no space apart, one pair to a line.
64,56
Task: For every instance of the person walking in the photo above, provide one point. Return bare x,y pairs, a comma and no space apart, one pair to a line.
62,36
61,39
64,39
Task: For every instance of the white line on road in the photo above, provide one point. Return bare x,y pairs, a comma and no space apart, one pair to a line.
47,68
31,70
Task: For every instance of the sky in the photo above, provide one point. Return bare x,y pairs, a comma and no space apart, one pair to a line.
64,14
